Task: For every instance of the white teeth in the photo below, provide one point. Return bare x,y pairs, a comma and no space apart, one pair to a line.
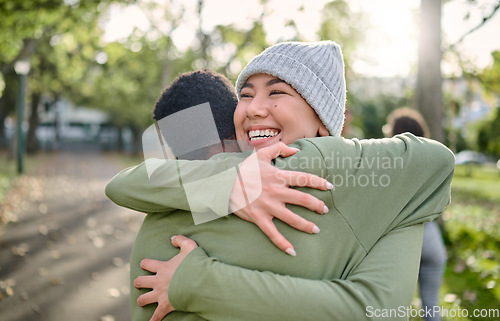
260,134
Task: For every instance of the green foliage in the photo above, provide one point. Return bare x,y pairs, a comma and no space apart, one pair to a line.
473,242
481,186
373,120
490,77
373,112
488,139
455,140
58,37
127,86
62,38
34,19
7,175
245,43
337,24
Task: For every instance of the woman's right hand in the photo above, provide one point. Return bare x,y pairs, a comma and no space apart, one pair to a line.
261,191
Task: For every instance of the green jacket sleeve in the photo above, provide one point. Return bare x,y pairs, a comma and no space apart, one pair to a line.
159,185
216,291
381,184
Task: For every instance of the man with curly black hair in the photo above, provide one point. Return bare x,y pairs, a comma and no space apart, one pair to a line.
198,87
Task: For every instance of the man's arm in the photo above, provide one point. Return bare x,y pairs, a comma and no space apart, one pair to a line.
206,188
385,279
157,185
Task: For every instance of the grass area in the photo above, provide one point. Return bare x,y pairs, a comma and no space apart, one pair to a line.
8,171
476,184
472,237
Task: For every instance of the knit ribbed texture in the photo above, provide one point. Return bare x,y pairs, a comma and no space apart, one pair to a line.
314,69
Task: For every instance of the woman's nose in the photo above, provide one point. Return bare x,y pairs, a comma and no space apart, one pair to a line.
257,108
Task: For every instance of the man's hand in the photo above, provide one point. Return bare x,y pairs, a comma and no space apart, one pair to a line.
261,192
160,282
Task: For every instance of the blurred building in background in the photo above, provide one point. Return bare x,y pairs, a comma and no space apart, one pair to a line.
63,124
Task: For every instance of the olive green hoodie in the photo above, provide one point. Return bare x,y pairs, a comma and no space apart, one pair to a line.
363,265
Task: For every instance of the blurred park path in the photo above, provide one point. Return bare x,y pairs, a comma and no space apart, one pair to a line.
65,253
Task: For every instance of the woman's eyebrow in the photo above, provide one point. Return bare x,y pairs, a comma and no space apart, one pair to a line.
274,81
268,83
247,84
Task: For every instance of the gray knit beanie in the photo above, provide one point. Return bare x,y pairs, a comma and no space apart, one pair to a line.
314,69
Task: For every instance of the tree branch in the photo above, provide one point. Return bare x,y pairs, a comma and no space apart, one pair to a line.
485,19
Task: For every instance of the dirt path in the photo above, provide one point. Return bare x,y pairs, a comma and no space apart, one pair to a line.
65,253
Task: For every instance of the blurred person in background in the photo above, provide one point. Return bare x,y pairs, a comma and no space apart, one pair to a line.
433,259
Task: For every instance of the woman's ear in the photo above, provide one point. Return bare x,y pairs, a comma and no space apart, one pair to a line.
322,131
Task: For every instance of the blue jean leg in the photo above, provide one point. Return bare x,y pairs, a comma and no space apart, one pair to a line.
432,266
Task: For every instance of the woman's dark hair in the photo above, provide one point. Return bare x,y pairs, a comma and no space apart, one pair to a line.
404,120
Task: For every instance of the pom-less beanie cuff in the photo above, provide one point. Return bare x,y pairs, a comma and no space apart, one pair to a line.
315,72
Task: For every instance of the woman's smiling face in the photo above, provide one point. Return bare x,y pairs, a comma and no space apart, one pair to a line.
270,111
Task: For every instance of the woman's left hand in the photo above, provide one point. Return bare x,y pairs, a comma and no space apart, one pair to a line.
160,282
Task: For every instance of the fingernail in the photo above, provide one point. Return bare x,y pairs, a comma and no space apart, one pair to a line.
315,229
296,149
325,210
329,186
290,252
173,237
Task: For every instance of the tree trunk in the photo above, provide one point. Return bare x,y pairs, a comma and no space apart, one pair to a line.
428,93
9,97
31,139
120,146
136,140
8,104
203,38
166,74
3,136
